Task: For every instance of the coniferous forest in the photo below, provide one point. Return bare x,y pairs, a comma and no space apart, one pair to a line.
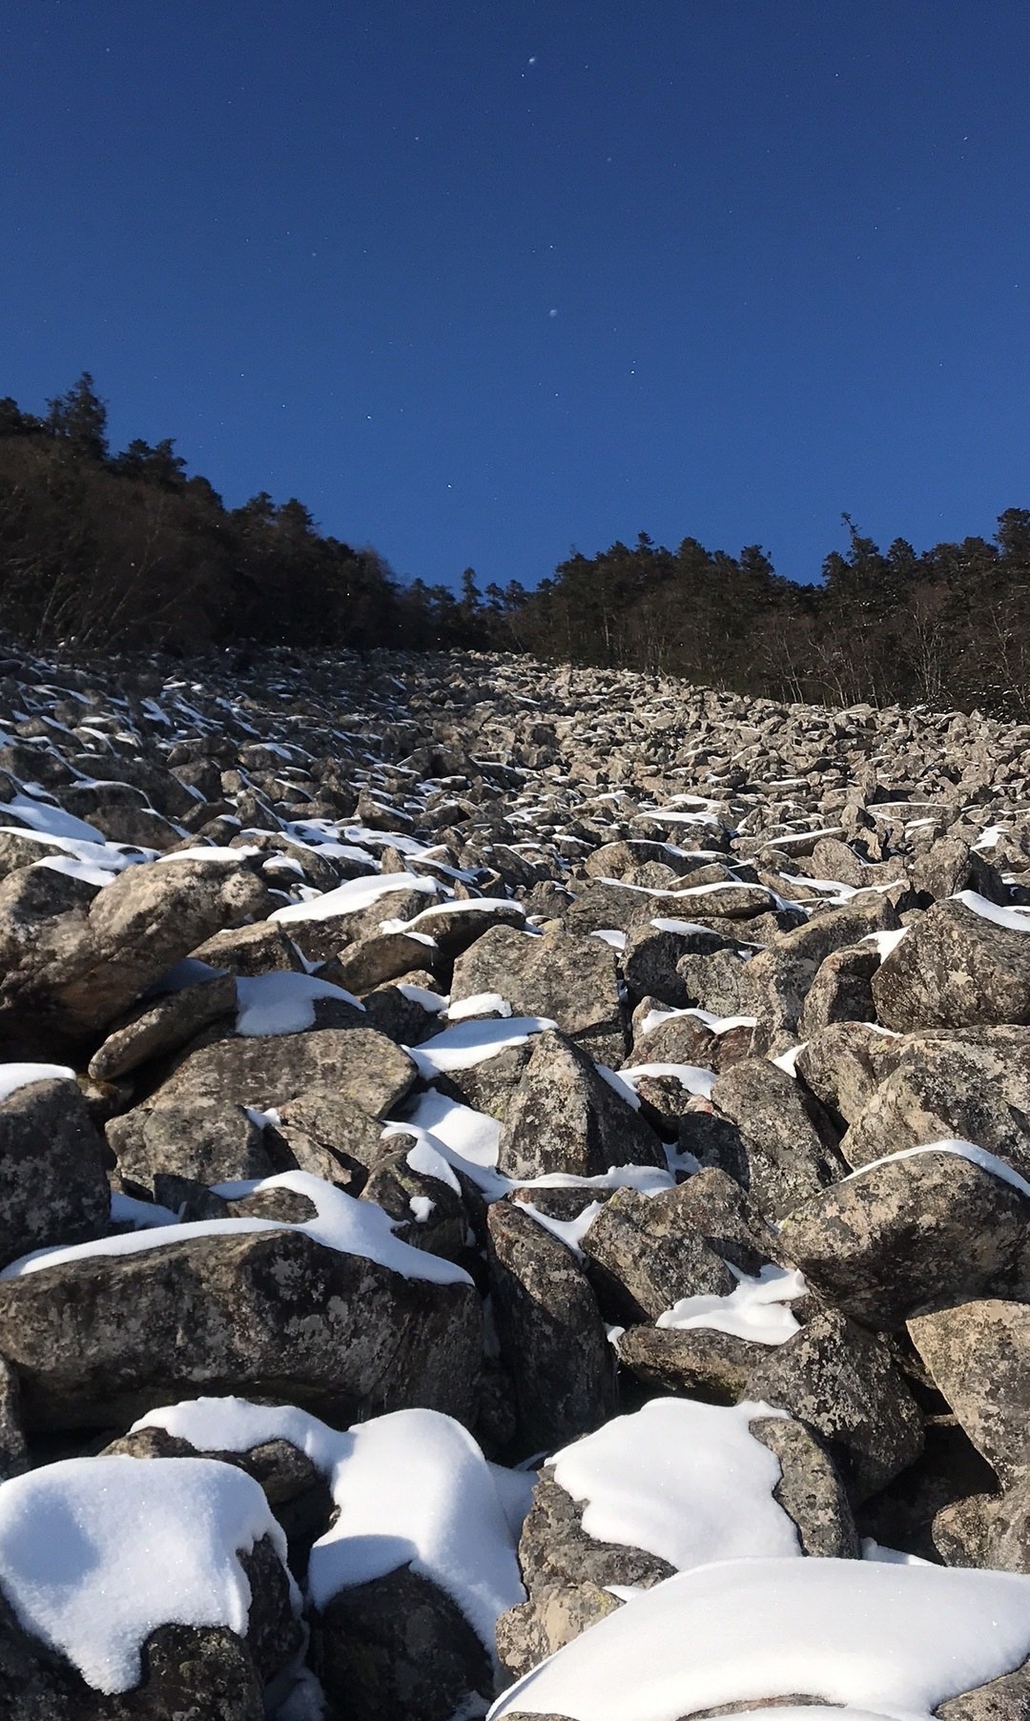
103,550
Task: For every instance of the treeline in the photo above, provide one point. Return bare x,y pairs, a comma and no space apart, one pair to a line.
106,550
949,627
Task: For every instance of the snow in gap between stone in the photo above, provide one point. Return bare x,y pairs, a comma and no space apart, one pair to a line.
469,1043
478,1004
356,894
51,821
96,1553
342,1223
412,1487
756,1308
1013,919
283,1002
884,1639
692,1078
687,1482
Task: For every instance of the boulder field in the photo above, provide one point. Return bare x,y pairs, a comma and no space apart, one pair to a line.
514,1190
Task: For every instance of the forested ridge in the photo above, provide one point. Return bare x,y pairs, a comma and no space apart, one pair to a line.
101,549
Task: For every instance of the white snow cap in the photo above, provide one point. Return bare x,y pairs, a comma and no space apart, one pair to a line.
468,1043
15,1076
756,1309
283,1003
96,1553
687,1482
884,1639
340,1222
412,1488
356,894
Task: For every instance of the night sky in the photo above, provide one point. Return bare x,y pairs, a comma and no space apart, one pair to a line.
480,282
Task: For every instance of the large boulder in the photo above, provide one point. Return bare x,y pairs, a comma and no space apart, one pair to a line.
100,1340
569,979
204,1123
964,964
53,1184
551,1333
842,1383
923,1228
978,1355
564,1116
90,961
645,1255
973,1085
790,1143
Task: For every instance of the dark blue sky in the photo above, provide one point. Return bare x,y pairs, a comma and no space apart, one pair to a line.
479,280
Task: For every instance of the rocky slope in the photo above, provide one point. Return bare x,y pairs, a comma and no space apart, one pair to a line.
501,1163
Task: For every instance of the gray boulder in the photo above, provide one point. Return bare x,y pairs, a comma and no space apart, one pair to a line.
99,1341
399,1649
53,1183
790,1144
841,1382
551,1334
563,1116
974,1085
955,969
88,963
645,1256
199,1124
978,1355
572,980
909,1232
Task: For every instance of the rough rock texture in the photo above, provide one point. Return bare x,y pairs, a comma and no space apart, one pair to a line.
841,1383
551,1332
569,980
954,969
399,1647
977,1354
791,1149
53,1185
645,1256
100,1341
563,1116
910,1232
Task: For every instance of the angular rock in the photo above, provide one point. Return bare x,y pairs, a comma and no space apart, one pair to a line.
164,1026
955,968
841,1383
398,1649
650,1256
529,1633
569,979
556,1551
932,1227
53,1182
791,1146
974,1086
978,1354
85,969
246,951
198,1123
552,1337
841,991
844,1064
809,1490
563,1116
101,1340
695,1361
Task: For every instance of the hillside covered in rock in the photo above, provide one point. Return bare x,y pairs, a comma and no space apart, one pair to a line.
515,1190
